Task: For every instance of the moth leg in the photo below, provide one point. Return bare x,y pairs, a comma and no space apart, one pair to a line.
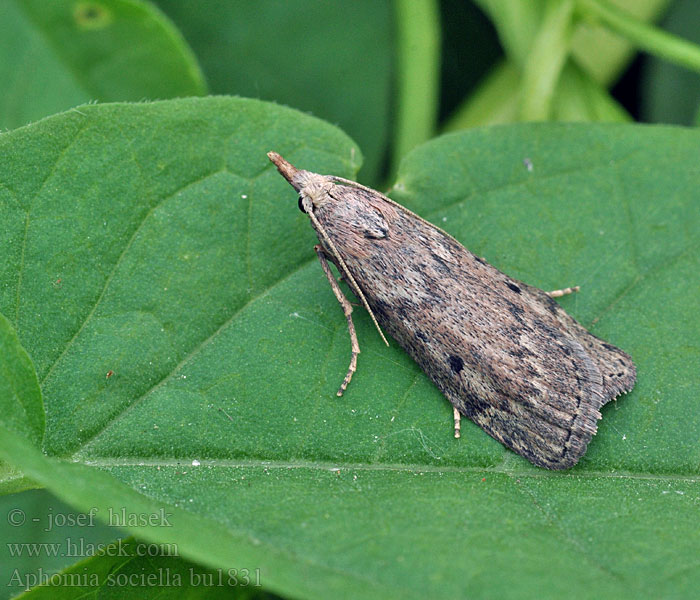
347,310
564,292
342,267
458,421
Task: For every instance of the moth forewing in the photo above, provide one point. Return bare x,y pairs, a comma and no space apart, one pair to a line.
504,353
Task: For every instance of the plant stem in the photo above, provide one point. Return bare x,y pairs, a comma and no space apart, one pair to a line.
418,74
643,36
546,60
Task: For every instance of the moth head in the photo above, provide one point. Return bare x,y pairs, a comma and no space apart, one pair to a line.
313,188
314,192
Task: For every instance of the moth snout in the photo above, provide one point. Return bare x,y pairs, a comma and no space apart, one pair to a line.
286,169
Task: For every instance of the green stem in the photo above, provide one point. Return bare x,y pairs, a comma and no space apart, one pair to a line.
643,36
546,60
418,74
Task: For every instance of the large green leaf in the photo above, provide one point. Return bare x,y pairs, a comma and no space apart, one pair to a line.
187,270
333,59
42,535
141,570
170,530
54,55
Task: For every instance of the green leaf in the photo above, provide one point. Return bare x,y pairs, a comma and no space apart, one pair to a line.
111,236
140,570
332,59
42,535
164,530
13,480
57,54
21,407
188,271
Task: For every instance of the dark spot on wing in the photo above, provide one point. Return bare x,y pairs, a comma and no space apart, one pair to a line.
456,363
513,287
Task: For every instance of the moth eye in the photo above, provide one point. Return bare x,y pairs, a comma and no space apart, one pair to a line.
301,206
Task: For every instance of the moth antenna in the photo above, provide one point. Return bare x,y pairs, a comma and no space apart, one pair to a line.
351,279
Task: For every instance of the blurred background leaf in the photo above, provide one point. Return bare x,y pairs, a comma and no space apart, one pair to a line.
58,54
35,517
332,59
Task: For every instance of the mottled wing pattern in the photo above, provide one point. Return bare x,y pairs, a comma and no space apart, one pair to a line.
505,354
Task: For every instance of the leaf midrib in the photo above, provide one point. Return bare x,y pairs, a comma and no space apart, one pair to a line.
132,461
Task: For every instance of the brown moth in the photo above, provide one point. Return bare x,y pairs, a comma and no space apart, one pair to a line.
504,353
